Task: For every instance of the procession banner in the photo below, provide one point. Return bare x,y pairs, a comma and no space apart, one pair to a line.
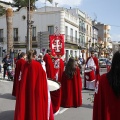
57,44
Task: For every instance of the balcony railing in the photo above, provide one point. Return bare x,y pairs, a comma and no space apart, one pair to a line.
34,38
16,39
82,29
71,39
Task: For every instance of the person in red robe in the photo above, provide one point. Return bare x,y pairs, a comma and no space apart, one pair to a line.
33,102
92,65
19,66
107,96
71,86
49,65
61,68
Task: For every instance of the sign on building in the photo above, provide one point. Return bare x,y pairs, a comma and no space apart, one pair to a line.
43,40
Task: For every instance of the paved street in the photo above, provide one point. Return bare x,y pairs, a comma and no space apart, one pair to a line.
7,105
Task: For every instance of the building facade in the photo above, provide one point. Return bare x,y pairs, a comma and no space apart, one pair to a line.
82,30
104,33
95,33
115,46
45,19
89,34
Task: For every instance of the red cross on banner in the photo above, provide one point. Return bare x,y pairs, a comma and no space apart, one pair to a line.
57,44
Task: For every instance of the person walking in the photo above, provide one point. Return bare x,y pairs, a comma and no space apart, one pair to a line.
6,62
33,102
71,86
91,72
41,61
49,65
18,70
18,57
107,93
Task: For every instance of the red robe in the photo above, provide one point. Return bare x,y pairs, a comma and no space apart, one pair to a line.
19,66
61,69
49,66
32,101
97,67
97,75
71,90
106,104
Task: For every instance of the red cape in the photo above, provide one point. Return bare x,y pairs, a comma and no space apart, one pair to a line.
106,104
71,90
49,66
61,69
97,67
32,101
19,66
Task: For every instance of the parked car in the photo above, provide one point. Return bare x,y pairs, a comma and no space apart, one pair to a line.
102,62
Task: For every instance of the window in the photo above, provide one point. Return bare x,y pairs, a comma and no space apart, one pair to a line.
76,36
71,34
15,34
90,31
1,33
83,40
1,49
51,29
66,32
80,39
34,32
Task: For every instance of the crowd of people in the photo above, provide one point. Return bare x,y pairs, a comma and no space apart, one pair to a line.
35,100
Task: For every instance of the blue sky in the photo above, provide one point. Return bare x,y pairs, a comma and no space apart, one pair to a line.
107,11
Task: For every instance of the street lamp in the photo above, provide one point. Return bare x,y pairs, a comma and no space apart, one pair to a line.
28,26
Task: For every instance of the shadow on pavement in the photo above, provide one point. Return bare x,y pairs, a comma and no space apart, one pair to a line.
7,96
7,115
87,106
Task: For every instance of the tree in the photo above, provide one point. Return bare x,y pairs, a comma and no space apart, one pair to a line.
9,20
5,7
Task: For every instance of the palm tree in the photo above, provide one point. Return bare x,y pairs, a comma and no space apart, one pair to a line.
9,21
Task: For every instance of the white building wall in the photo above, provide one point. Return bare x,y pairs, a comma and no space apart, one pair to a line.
52,16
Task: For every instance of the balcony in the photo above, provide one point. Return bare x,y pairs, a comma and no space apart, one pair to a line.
1,39
34,38
16,39
82,29
95,37
107,35
107,27
71,39
71,18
